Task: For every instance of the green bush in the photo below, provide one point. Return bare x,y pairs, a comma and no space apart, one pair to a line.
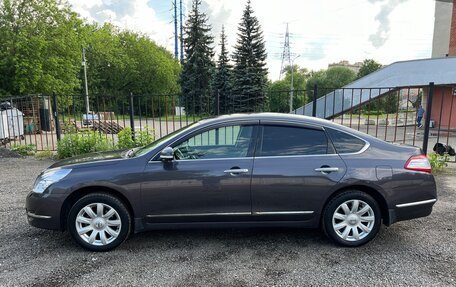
124,139
73,144
438,162
24,149
81,143
142,138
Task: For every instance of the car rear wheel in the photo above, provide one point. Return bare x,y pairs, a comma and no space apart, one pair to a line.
99,222
352,218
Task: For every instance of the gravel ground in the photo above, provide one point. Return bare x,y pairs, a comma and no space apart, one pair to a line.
419,252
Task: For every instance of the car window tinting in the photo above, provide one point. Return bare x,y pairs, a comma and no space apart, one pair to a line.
283,141
224,142
345,143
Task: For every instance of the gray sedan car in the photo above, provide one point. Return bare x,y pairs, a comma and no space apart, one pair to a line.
237,171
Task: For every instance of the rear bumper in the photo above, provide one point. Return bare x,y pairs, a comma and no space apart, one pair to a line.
410,210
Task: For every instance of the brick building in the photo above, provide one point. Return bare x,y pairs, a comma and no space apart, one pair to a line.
452,45
444,45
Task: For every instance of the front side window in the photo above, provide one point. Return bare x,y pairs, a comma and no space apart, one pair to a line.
223,142
286,141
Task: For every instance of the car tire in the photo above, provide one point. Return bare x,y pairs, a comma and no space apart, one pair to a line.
99,222
351,218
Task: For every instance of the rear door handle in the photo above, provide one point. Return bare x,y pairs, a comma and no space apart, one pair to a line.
327,169
236,170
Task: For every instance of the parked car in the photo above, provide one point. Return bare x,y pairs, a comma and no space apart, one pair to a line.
237,171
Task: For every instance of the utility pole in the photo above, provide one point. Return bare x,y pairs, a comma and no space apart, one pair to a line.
292,84
286,53
176,50
181,34
84,63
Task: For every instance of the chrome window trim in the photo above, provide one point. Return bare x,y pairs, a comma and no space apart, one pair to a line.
416,203
363,149
33,215
261,122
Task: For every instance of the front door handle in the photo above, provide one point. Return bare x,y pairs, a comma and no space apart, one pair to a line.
236,170
327,169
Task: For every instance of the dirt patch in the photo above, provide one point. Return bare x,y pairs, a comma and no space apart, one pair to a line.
6,153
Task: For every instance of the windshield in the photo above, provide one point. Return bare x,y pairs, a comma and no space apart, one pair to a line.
143,150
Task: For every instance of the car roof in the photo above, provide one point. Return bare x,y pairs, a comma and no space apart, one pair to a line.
286,118
266,116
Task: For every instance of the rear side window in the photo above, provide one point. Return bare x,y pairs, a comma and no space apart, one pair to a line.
283,141
345,143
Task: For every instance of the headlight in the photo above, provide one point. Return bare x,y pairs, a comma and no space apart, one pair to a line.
49,177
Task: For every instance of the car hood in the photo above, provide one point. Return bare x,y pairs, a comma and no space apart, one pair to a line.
91,157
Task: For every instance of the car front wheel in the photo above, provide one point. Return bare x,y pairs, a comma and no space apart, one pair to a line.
99,222
352,218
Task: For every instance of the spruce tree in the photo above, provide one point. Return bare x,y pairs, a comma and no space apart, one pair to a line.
198,66
250,73
222,78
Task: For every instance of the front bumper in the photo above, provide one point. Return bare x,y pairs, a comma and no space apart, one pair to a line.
411,210
43,211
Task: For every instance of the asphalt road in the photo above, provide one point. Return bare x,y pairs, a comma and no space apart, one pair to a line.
420,252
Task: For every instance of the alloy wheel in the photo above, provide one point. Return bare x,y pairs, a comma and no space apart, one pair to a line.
98,224
353,220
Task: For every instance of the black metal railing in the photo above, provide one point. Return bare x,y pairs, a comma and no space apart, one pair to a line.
386,113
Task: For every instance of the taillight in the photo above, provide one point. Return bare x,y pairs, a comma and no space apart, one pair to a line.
418,163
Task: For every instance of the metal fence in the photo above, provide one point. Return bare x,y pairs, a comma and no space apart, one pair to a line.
386,113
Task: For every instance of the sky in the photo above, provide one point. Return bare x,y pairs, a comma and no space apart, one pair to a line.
321,32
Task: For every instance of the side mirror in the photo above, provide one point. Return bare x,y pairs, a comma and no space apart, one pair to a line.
167,154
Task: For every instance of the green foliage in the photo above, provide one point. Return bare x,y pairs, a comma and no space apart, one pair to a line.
222,84
39,47
125,139
198,67
279,91
24,149
81,143
119,62
389,103
142,138
250,72
40,52
328,80
368,66
337,77
437,161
